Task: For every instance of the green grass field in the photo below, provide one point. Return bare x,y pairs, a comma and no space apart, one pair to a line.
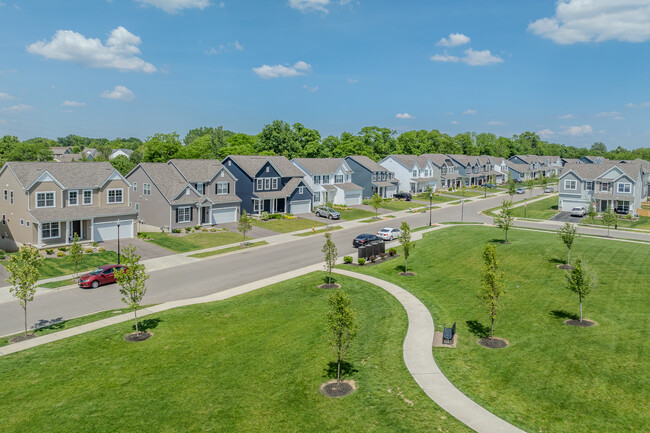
468,193
58,266
251,363
435,199
541,210
397,205
193,241
553,377
355,214
287,225
642,223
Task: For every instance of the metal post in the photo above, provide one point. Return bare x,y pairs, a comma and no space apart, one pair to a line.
118,241
430,202
462,210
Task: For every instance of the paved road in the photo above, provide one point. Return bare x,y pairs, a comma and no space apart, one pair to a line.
223,272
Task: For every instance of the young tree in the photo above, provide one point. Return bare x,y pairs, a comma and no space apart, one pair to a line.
591,212
568,234
75,253
23,274
132,281
407,244
244,225
609,218
531,185
492,286
544,181
341,320
463,185
580,280
512,189
330,252
375,202
505,219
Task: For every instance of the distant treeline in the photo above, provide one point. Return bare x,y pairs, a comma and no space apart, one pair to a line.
281,138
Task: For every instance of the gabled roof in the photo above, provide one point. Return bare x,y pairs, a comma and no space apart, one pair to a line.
595,171
127,152
519,168
70,175
438,159
410,161
319,165
166,178
197,170
284,192
366,162
465,159
252,164
59,150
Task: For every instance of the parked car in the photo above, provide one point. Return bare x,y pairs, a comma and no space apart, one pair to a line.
490,185
389,234
328,213
521,191
578,211
404,196
364,239
548,189
102,275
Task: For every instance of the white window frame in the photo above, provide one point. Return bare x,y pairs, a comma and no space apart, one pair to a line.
317,197
73,191
267,182
589,185
627,190
301,189
220,188
604,187
135,186
256,205
415,173
45,199
200,188
83,197
317,179
49,230
568,182
6,194
326,179
274,183
22,222
4,219
27,223
108,196
137,206
338,178
260,184
146,189
186,212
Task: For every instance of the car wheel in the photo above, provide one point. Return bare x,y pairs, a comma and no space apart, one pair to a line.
94,284
329,217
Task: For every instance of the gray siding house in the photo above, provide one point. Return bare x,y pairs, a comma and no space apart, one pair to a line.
372,177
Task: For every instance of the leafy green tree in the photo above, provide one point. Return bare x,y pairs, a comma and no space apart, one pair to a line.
598,148
161,147
568,234
343,325
609,218
407,243
512,189
581,280
280,138
591,212
23,269
505,218
544,181
376,201
244,225
530,183
330,253
30,150
492,286
75,253
122,164
132,281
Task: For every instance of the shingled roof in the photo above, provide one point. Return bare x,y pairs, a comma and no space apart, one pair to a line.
197,170
252,164
367,163
69,174
167,178
410,161
595,171
319,165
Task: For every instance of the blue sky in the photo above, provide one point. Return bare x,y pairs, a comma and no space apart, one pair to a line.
575,71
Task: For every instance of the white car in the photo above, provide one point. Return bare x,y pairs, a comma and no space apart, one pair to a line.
578,211
389,234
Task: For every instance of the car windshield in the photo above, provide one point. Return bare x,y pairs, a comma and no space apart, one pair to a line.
96,271
577,208
384,230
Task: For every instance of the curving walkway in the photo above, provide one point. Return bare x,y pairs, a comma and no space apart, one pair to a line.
418,356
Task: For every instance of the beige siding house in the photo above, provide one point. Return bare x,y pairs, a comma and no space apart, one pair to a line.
45,203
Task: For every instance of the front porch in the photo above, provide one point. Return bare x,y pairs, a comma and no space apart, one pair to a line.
270,205
619,206
61,233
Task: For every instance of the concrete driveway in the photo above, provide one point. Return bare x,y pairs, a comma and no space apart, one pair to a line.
566,217
145,249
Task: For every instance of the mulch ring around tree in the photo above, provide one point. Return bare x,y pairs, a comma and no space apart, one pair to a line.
494,343
566,267
21,337
333,389
407,274
586,323
135,337
330,286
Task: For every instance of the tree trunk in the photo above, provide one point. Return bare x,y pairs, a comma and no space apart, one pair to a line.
492,330
405,265
568,260
330,277
135,312
25,309
338,372
580,307
506,236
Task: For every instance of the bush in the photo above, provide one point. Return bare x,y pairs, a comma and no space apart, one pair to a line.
392,251
49,251
628,217
64,249
2,254
88,250
96,243
276,216
204,229
187,229
213,229
60,254
101,249
348,259
197,227
176,231
361,261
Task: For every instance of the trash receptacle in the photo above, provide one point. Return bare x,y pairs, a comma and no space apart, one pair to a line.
361,252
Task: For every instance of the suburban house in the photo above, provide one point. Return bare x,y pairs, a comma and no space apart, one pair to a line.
413,173
593,159
372,177
330,178
45,203
183,193
85,155
479,170
120,152
523,167
445,169
619,186
269,184
58,151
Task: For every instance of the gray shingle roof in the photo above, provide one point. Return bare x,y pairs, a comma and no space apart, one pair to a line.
594,171
319,165
367,163
197,170
252,164
168,180
284,192
80,212
348,186
411,160
436,158
69,174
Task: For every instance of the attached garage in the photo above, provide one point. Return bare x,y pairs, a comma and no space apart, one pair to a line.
224,215
353,198
567,205
107,231
300,206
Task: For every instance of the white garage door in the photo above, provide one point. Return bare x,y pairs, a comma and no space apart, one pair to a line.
353,198
300,206
108,231
567,205
224,215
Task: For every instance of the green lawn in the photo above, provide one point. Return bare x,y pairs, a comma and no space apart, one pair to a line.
434,199
642,223
553,377
397,205
251,363
194,241
58,266
319,231
355,214
228,250
541,210
287,225
57,284
468,193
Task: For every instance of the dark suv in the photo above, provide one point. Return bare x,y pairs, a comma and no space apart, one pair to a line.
364,239
403,196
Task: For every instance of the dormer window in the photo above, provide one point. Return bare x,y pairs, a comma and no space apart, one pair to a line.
317,180
338,178
45,199
199,188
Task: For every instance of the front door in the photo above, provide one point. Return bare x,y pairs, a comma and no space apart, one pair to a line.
76,228
205,215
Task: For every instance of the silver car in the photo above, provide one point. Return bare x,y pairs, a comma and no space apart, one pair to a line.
578,211
389,234
328,213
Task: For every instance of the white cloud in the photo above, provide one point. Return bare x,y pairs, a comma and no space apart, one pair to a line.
496,123
222,5
470,111
641,105
120,93
566,116
277,71
453,40
404,116
454,122
352,81
20,108
73,104
6,96
578,131
310,5
545,133
444,58
480,58
596,21
225,48
173,6
119,52
310,89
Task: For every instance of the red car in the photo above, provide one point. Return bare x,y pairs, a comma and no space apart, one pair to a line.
102,275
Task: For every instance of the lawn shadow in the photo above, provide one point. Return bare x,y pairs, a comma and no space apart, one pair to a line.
497,241
556,261
146,324
478,329
399,268
347,369
563,314
328,280
54,324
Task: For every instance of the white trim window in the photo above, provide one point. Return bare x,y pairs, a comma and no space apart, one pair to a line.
5,195
184,214
589,185
274,183
260,184
222,188
27,223
73,197
256,205
22,222
199,187
115,196
301,190
604,187
624,187
415,173
146,189
137,206
317,180
338,178
317,197
570,185
87,196
326,178
45,199
267,182
50,230
4,219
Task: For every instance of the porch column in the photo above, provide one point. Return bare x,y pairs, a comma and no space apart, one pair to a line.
92,231
67,232
40,235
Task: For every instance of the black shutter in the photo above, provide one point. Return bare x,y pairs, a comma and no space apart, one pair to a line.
191,213
228,188
176,214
